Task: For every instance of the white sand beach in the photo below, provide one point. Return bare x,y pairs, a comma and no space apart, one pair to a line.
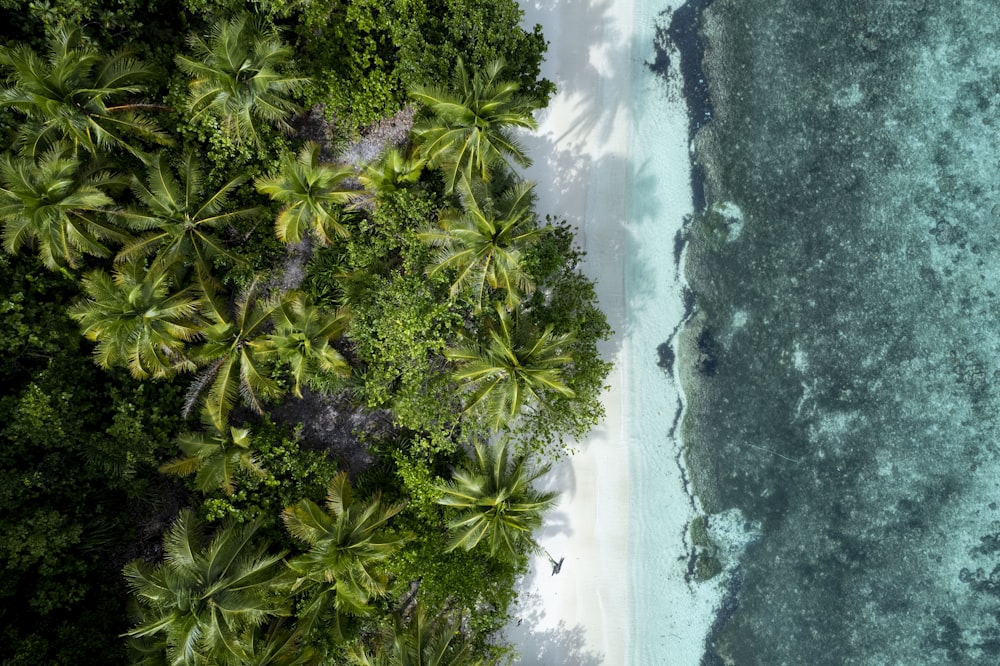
592,153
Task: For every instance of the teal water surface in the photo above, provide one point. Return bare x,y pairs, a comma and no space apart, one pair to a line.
848,330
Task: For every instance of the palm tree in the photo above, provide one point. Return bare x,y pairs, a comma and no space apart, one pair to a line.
277,646
301,339
281,646
205,602
468,130
238,75
347,544
138,321
392,172
424,641
146,651
497,502
515,367
56,204
178,219
484,244
75,93
311,191
215,455
231,353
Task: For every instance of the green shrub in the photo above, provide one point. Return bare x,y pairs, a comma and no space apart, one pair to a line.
291,474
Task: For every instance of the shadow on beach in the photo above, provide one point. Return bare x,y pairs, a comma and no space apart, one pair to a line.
590,172
583,169
559,646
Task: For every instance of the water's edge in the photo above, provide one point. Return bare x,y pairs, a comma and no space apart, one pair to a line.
672,613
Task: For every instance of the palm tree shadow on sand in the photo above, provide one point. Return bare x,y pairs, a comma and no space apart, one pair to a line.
591,69
560,646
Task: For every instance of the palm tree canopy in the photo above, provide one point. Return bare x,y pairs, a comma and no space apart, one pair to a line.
393,171
281,647
238,75
469,129
75,93
484,244
215,455
425,641
55,203
179,219
515,367
234,367
311,191
137,320
206,600
496,501
347,543
301,339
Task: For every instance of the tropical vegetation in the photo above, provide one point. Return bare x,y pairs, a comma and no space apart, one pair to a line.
176,219
239,77
205,601
483,245
497,503
54,204
74,92
267,403
468,128
312,194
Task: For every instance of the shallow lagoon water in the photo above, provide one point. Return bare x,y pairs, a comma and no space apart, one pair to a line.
841,371
669,614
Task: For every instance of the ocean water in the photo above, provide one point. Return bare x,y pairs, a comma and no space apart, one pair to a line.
841,364
669,612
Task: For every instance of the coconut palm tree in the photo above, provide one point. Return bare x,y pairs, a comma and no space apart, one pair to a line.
515,367
138,321
230,351
484,244
390,173
468,130
215,455
281,646
277,646
301,340
206,601
56,204
496,501
347,544
177,219
312,192
239,76
146,651
77,94
424,641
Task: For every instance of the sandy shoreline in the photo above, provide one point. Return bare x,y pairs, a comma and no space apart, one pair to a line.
581,615
620,596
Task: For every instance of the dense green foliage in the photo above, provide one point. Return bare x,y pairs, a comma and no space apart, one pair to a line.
310,191
78,452
395,45
76,95
240,78
342,571
155,206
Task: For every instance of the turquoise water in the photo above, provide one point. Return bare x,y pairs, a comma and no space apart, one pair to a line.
666,608
845,358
